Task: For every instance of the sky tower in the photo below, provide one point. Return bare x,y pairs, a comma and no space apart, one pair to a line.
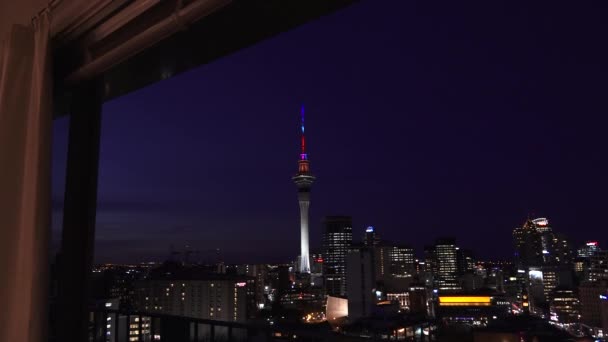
303,180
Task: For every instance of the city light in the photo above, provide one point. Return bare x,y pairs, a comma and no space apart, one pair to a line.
464,300
536,275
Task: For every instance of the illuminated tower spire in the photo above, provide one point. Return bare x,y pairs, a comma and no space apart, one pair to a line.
303,180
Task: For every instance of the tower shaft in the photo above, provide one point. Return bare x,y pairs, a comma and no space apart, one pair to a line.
303,199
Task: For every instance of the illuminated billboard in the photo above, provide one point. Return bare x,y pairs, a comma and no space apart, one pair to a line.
465,300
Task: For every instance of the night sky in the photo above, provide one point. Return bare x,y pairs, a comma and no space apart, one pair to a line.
422,120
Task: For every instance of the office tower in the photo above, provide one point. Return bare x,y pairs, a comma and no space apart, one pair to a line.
137,327
429,268
590,294
381,261
551,278
430,262
598,266
393,261
260,273
528,246
564,306
303,180
401,261
563,252
466,262
446,264
555,247
588,249
371,237
536,290
537,244
216,297
280,281
581,266
546,237
418,299
360,282
337,239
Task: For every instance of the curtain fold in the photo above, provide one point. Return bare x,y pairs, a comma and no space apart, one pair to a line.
25,164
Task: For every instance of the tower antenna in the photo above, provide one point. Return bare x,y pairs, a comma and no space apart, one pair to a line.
303,137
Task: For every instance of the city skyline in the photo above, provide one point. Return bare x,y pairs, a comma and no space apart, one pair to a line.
418,146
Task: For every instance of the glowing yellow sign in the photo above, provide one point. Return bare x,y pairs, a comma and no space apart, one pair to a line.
465,300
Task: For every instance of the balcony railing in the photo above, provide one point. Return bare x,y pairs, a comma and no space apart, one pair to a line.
120,326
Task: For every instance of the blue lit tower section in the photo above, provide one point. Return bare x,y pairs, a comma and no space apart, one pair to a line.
303,180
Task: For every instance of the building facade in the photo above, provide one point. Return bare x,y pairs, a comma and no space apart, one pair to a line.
223,298
337,240
589,294
445,268
564,306
401,261
360,282
598,266
528,246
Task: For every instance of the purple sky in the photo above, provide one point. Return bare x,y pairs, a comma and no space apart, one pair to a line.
422,120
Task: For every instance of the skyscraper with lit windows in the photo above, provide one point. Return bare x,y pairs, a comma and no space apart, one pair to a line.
337,239
445,255
590,248
528,245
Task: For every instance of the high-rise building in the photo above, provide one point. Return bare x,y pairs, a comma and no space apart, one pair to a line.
563,254
303,180
537,244
598,266
371,238
138,328
337,239
360,282
260,273
216,297
466,262
564,306
446,264
551,276
528,246
446,257
546,237
390,260
590,294
316,269
401,261
588,249
417,296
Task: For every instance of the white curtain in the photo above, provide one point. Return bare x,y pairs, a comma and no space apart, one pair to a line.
25,149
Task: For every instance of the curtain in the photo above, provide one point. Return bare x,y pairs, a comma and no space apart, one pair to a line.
25,148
